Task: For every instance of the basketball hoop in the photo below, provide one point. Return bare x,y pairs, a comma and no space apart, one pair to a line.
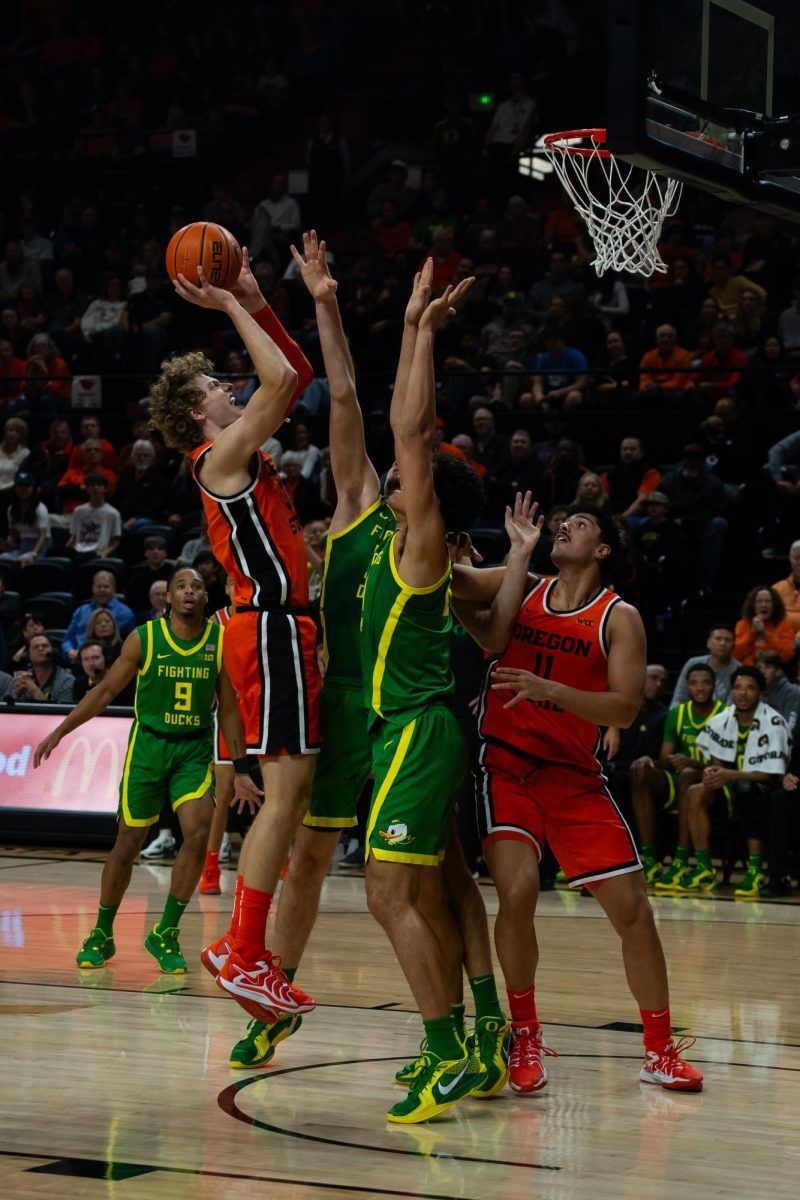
624,206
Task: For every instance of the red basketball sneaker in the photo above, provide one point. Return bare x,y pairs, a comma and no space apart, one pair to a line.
215,954
261,987
210,882
526,1071
670,1070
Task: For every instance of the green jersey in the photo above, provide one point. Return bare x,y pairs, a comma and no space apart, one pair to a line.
176,689
348,554
405,641
683,725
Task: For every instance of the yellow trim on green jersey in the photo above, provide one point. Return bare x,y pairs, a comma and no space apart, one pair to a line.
401,583
420,860
196,645
379,670
148,654
126,771
391,775
198,792
331,537
220,640
327,822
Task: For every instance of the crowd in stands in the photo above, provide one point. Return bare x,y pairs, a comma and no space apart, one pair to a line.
707,355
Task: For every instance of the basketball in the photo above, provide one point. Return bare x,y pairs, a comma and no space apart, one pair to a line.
204,244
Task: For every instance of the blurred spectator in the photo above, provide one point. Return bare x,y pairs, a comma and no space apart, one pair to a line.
102,627
697,500
617,385
142,491
104,595
141,430
789,589
590,491
771,380
104,325
156,566
779,693
276,220
393,188
721,369
522,472
157,603
509,133
311,455
789,322
32,623
95,527
16,269
464,443
28,522
783,473
29,307
50,459
195,546
10,328
13,450
495,344
90,428
763,626
748,325
541,563
491,447
72,489
39,680
564,472
719,658
391,233
209,568
12,371
557,282
663,368
630,479
453,139
45,360
658,548
560,379
445,259
150,317
303,494
63,310
34,244
92,666
727,288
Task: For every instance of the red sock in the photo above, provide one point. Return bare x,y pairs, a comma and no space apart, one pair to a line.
249,935
237,905
657,1028
212,861
523,1007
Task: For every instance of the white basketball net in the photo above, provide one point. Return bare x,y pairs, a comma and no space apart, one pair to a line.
624,206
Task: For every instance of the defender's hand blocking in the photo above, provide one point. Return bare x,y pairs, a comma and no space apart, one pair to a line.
246,795
523,526
314,268
204,296
420,294
440,309
246,289
461,549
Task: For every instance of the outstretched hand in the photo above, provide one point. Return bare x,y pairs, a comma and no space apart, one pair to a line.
314,268
204,296
523,526
246,795
246,289
45,749
461,549
420,294
443,307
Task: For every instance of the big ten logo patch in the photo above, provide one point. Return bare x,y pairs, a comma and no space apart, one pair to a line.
215,273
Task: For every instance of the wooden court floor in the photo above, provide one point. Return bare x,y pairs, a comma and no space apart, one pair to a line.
115,1084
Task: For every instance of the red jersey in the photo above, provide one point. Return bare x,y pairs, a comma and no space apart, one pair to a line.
256,536
222,616
567,647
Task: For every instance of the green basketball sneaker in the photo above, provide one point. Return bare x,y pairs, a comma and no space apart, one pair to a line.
752,886
696,879
257,1046
652,869
671,875
407,1074
96,950
490,1043
165,950
440,1083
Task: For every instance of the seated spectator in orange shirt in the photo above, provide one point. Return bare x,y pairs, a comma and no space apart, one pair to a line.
44,358
10,365
72,484
390,234
763,627
445,259
721,369
628,482
789,588
465,446
727,288
658,366
90,428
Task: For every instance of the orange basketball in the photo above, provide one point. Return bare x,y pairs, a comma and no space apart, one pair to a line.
204,244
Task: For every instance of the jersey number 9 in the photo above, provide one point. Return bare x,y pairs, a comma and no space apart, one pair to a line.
183,697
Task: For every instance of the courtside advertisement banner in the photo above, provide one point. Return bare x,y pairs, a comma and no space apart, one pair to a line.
81,776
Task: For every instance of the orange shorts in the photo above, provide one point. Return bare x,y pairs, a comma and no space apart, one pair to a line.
271,658
564,805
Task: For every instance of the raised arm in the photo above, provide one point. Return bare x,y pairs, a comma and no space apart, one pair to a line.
493,631
98,698
357,483
418,302
618,705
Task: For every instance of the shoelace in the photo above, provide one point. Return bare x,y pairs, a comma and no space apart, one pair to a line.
527,1050
675,1049
167,936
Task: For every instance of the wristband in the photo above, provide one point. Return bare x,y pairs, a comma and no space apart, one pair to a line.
241,766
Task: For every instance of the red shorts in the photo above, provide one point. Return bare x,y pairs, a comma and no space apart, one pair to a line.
562,804
271,658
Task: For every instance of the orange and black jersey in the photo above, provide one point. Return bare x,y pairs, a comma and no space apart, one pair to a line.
256,536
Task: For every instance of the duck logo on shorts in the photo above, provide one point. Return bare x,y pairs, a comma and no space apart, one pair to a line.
397,834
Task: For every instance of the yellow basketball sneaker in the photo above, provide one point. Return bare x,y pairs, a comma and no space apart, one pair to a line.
257,1046
440,1083
490,1043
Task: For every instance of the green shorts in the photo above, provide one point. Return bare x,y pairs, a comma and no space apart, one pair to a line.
418,769
344,762
158,769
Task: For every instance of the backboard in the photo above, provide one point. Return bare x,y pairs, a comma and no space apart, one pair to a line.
708,91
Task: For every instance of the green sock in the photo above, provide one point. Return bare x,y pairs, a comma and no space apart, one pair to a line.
484,993
704,859
290,973
649,852
105,918
173,911
754,862
458,1013
443,1038
682,854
